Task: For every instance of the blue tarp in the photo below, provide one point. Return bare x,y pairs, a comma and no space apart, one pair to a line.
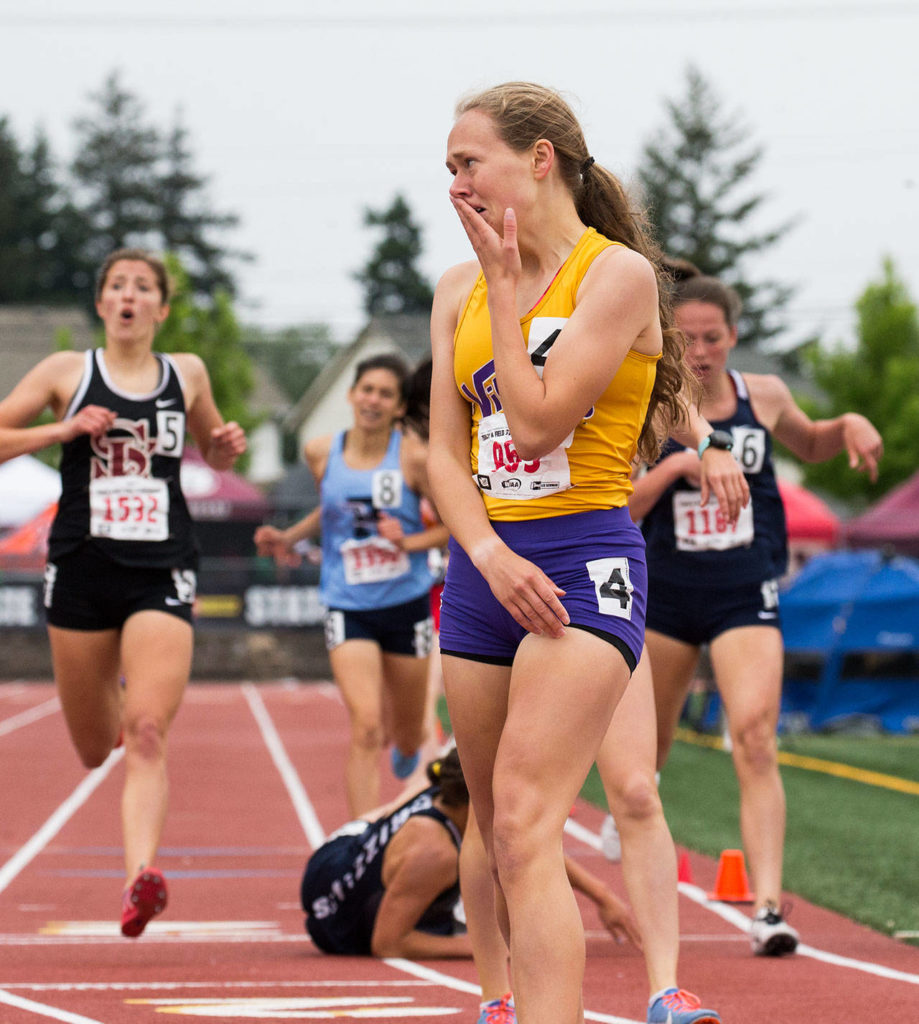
850,622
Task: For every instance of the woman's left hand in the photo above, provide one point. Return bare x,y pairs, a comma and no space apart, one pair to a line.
228,442
864,444
390,528
522,588
618,920
720,474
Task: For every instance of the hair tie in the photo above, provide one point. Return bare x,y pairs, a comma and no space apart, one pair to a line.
586,166
435,768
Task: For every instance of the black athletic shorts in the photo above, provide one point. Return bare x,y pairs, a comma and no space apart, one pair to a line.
86,590
399,629
696,615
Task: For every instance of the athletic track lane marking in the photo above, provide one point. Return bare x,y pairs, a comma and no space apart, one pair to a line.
48,707
30,1006
25,854
305,811
815,764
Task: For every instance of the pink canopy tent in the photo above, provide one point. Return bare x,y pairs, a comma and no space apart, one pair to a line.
219,495
891,522
807,517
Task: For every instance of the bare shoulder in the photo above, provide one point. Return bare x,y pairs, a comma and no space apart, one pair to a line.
60,372
768,389
459,278
190,365
453,289
427,843
316,454
67,362
771,398
623,267
620,280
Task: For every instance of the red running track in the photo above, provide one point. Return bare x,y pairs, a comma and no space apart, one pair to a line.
256,781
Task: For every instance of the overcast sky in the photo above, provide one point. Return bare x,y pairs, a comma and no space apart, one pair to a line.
304,113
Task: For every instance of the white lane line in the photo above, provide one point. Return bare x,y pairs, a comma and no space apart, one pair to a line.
58,819
31,1006
48,707
578,831
458,985
741,921
304,809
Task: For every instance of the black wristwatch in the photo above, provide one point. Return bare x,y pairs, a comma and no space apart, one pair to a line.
722,439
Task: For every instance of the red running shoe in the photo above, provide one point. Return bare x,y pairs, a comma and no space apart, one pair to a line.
143,899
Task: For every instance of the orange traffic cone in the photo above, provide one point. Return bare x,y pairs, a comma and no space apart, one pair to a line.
732,885
684,869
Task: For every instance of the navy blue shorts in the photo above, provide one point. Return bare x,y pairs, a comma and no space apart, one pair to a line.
696,615
597,558
87,590
399,629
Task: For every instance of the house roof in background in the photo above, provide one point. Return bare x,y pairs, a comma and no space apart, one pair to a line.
29,333
407,333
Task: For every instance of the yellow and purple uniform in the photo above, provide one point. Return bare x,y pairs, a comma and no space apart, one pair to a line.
591,469
565,511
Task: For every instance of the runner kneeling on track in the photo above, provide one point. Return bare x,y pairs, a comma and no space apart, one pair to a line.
388,884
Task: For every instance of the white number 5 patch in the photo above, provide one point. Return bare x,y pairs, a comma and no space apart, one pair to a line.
613,586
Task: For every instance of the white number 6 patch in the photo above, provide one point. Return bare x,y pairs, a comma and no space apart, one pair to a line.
613,586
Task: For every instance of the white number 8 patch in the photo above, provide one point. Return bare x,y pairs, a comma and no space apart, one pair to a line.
613,586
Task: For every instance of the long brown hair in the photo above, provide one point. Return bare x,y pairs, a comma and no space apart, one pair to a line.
523,113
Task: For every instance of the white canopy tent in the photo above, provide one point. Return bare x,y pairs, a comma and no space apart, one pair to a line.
26,487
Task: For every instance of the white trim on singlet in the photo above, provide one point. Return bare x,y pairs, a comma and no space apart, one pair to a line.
164,361
740,385
82,386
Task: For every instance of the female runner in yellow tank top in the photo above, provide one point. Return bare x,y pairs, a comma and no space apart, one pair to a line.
553,353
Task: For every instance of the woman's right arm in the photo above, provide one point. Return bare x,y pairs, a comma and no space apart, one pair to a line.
47,385
272,542
527,593
650,485
420,863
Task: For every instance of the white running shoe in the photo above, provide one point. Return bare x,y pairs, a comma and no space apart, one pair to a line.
610,843
771,934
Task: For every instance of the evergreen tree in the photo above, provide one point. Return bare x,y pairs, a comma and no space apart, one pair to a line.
40,232
186,223
391,279
61,232
695,181
878,378
116,172
13,241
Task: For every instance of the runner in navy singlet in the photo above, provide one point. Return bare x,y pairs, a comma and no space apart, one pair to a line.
717,583
387,884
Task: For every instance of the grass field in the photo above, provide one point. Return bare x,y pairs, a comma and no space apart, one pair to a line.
851,845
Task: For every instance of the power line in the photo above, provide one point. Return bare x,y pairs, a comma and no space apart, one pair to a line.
470,21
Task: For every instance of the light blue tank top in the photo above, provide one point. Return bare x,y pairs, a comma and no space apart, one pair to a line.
360,570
